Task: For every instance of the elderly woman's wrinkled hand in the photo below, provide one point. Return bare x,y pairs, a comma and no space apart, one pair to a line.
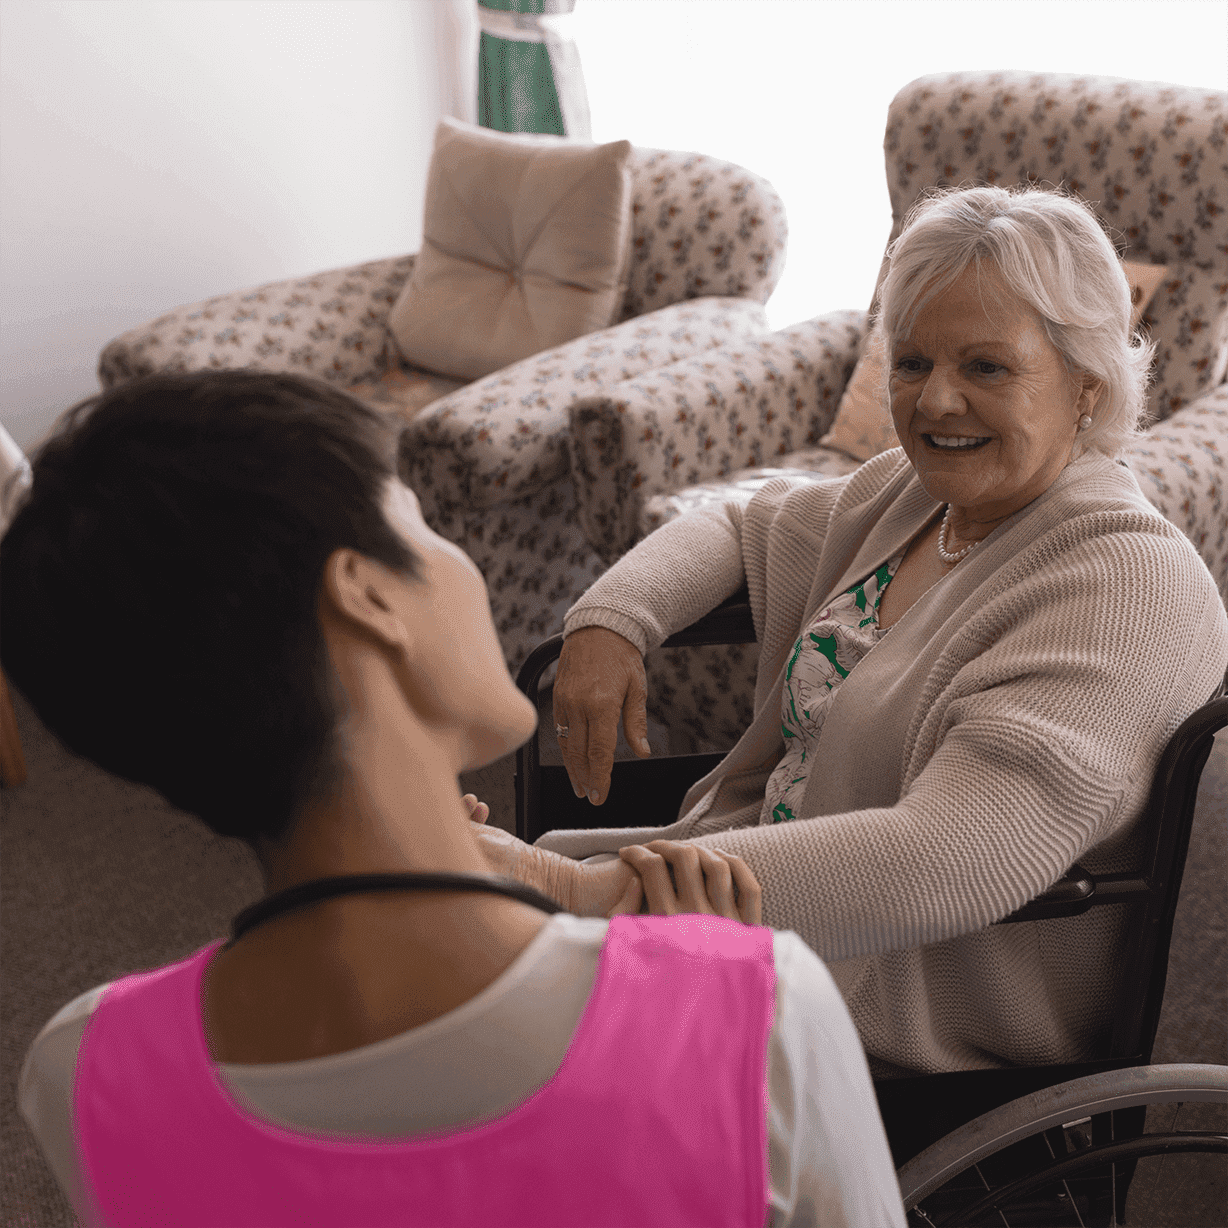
665,877
704,880
600,677
554,875
599,890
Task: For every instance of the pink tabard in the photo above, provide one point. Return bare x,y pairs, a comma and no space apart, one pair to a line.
657,1114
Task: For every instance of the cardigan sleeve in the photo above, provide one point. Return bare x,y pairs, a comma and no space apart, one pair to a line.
1037,741
686,568
667,581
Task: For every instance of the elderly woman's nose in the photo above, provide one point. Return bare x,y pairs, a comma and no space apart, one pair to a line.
939,394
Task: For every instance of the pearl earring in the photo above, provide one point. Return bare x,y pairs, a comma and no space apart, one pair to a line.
1085,422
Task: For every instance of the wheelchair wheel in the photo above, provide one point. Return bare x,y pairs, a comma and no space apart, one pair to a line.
1145,1145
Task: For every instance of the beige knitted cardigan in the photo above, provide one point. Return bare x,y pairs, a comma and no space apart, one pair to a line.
1006,726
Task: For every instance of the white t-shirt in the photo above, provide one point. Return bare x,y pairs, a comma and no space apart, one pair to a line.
827,1154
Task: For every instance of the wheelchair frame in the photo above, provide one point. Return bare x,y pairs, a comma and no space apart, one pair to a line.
918,1111
1063,1116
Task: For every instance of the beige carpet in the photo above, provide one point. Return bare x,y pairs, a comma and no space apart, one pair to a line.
99,878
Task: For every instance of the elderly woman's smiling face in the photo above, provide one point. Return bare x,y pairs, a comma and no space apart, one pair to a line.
982,401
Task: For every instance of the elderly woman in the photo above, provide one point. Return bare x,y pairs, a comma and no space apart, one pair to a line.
972,652
219,588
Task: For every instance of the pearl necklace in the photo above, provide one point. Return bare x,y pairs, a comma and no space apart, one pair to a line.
943,553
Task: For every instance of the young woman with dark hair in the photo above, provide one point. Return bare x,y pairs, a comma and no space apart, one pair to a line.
218,586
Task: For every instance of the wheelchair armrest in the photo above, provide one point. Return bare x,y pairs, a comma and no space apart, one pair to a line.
1077,891
1070,896
730,623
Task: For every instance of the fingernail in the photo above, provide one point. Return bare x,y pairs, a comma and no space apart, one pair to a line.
592,796
579,791
644,745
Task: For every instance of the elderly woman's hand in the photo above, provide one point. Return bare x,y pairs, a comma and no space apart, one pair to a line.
554,875
598,890
703,880
601,675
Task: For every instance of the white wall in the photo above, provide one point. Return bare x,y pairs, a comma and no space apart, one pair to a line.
156,153
798,90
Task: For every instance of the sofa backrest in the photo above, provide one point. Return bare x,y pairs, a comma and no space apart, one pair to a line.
1152,159
700,227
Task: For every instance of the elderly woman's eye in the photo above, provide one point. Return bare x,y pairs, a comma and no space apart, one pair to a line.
908,366
984,367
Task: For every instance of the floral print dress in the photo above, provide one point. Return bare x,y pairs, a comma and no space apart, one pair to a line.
824,655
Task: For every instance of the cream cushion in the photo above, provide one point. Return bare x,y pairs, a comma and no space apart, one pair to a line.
863,427
526,242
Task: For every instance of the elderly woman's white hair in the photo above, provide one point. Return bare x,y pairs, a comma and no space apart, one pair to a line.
1053,253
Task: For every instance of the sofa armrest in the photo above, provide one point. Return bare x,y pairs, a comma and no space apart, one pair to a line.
700,226
1182,466
332,325
814,464
505,436
703,418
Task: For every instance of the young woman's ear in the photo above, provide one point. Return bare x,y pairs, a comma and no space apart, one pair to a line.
363,592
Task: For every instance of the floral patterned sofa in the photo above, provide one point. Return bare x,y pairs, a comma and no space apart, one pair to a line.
1153,159
547,471
490,459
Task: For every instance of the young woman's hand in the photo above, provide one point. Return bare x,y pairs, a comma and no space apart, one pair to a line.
704,881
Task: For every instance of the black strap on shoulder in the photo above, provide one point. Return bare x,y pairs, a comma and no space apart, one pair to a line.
303,894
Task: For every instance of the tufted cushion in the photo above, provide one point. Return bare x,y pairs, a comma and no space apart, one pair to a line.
703,417
525,245
863,426
506,436
1151,158
699,226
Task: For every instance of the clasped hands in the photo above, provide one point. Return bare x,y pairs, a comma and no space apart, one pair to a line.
703,880
600,678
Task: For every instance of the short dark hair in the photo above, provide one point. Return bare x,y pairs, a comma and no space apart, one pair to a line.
159,605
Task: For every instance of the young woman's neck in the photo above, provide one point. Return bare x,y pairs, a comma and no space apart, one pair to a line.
398,805
352,970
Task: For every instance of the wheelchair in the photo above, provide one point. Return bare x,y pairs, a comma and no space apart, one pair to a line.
1046,1145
